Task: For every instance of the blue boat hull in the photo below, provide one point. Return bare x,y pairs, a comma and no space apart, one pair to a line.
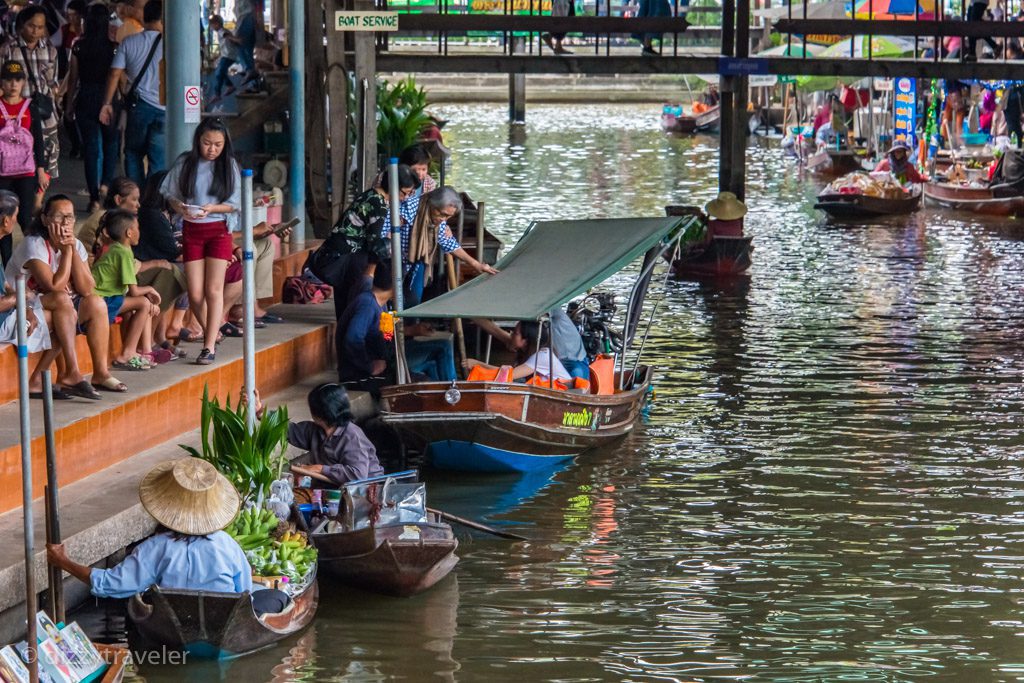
474,457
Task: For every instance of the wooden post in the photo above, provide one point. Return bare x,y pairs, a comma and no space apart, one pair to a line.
517,90
366,78
337,121
318,202
727,89
741,95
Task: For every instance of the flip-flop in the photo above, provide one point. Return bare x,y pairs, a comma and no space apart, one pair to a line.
58,395
271,318
185,335
111,384
82,389
133,364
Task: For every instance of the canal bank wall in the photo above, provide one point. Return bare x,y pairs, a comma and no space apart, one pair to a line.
557,89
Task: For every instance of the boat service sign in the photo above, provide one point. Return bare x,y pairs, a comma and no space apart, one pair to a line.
366,21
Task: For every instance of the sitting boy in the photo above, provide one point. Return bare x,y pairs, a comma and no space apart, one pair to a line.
116,282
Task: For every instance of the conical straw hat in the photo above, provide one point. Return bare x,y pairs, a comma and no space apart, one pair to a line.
189,496
726,207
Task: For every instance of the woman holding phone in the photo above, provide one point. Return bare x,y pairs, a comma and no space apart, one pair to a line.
204,188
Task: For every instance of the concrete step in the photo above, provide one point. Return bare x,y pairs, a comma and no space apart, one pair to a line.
101,513
162,403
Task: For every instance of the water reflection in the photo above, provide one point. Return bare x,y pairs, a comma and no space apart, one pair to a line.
830,484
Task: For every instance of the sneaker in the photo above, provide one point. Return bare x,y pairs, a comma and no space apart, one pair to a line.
647,52
206,357
546,37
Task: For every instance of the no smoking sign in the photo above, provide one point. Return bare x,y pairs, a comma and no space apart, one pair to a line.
193,107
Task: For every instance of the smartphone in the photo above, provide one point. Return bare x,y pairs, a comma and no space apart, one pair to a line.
286,226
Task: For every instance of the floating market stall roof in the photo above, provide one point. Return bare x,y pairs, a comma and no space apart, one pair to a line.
553,262
895,10
857,48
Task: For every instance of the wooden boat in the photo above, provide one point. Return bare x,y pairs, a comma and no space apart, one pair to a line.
721,256
394,559
687,124
213,625
980,200
862,205
492,426
835,162
509,427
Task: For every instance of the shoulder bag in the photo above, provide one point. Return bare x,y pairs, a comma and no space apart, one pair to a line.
131,98
42,107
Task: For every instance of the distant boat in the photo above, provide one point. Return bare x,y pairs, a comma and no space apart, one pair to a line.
862,205
687,124
835,162
980,200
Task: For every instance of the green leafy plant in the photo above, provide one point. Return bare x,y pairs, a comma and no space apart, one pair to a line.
401,115
251,462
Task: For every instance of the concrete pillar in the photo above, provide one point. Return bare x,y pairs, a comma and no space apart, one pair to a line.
366,88
297,119
337,121
182,69
517,90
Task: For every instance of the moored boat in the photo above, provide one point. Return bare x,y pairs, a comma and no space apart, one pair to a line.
980,200
843,205
497,426
835,162
213,625
399,559
687,124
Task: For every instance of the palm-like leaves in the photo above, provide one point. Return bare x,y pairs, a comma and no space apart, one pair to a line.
251,462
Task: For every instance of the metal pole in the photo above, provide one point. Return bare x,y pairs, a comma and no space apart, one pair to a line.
248,298
26,474
480,258
56,597
397,267
297,120
183,74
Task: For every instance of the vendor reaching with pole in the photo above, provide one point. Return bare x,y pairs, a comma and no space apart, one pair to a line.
897,161
192,503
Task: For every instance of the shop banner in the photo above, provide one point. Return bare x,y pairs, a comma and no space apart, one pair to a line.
904,110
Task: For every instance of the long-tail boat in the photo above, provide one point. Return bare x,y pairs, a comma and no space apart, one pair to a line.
506,426
715,256
213,625
687,124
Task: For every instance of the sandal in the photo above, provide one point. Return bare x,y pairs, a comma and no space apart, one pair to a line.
176,353
206,357
186,335
159,356
270,318
230,330
57,393
111,384
83,390
133,364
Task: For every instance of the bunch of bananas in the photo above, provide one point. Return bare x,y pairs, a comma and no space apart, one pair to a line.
289,555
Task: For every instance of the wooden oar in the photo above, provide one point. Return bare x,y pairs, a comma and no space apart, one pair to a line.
476,525
443,515
460,337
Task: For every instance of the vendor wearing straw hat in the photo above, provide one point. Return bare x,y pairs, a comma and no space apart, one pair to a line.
897,161
725,214
192,503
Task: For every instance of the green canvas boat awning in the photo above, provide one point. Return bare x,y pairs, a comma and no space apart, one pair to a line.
553,262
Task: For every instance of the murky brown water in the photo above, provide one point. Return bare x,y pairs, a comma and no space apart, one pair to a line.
829,486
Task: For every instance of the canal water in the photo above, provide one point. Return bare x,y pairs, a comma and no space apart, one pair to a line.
829,484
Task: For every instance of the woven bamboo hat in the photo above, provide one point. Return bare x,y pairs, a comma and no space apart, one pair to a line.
189,496
726,207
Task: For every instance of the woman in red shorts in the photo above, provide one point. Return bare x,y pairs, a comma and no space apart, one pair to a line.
204,187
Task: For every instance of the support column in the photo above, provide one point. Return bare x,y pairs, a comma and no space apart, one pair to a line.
517,90
741,95
337,95
182,68
318,207
366,85
727,105
297,121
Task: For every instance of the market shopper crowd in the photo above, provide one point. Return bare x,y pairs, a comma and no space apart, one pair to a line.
159,252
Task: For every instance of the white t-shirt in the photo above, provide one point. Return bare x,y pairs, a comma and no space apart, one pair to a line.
539,363
131,56
38,249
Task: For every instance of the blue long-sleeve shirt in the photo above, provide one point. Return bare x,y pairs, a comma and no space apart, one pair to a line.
362,340
214,563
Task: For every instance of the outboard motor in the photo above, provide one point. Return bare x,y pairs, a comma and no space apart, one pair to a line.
593,316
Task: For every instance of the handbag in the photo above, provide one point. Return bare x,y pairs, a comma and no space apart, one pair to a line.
131,98
41,107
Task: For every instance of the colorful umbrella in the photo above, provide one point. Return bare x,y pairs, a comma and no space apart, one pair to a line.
794,50
880,46
895,10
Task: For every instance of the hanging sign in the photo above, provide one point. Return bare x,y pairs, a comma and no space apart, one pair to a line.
742,66
366,21
904,110
193,99
763,81
883,84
